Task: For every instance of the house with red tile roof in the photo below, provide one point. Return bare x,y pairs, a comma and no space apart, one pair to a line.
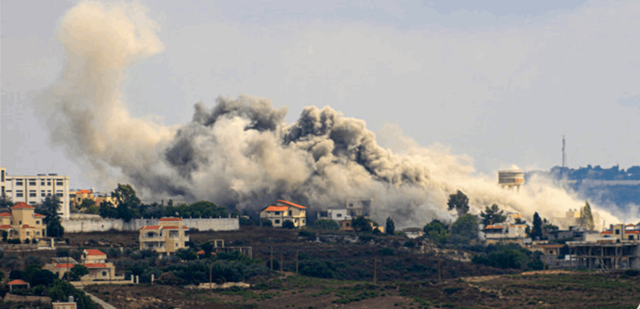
23,223
166,238
285,211
96,262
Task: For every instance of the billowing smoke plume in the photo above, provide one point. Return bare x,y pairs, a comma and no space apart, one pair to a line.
241,152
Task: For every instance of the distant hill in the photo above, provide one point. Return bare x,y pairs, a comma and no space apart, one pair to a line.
614,187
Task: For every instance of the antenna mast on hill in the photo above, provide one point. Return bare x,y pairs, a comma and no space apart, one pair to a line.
564,157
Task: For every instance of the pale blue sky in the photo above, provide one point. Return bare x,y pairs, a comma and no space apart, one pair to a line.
500,81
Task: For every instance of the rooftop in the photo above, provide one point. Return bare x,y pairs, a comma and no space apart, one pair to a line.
292,204
94,252
22,205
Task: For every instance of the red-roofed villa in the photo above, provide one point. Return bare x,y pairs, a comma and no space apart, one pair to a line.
23,223
165,238
285,211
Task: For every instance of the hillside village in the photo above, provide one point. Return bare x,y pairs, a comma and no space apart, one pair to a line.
55,237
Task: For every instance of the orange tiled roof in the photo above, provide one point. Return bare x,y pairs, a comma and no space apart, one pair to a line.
95,265
5,214
65,265
150,227
26,226
632,232
276,208
292,204
84,192
17,282
201,252
22,205
170,219
94,252
493,227
39,216
605,232
5,227
172,227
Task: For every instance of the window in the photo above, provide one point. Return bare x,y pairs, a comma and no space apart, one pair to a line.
32,203
19,193
38,233
19,222
104,273
59,182
19,182
42,182
277,221
27,233
48,182
42,194
37,221
303,221
339,215
176,245
32,193
32,182
630,237
149,234
617,232
277,213
290,213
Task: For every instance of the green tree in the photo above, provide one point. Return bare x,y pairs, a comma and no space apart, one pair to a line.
536,230
326,224
437,232
459,202
43,277
127,201
390,227
49,207
586,217
266,223
108,210
207,247
78,271
464,229
492,215
361,224
5,202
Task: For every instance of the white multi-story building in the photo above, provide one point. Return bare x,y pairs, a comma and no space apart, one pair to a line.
33,189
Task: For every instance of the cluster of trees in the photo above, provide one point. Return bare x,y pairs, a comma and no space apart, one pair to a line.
509,256
46,283
129,206
597,172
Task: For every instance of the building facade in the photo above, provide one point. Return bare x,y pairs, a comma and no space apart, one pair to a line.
23,223
95,261
285,211
165,238
33,189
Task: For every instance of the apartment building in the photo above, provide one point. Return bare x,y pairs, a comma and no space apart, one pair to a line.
23,223
165,238
33,189
285,211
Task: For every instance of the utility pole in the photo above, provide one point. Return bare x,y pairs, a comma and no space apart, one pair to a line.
271,258
281,264
296,262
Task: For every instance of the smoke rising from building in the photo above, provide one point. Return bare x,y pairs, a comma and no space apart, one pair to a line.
241,152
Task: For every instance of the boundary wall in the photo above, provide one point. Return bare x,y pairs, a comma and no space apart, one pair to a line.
98,224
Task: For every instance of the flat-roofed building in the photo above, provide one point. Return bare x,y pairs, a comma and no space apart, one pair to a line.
34,189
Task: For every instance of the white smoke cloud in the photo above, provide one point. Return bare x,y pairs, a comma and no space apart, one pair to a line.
242,152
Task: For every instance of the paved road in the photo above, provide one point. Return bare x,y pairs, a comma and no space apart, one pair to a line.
99,301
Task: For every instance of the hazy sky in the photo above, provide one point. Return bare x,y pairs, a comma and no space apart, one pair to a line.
500,81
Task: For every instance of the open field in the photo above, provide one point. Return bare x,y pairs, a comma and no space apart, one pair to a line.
574,290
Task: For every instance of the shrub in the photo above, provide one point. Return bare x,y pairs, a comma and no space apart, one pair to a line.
266,222
307,234
326,224
632,272
288,224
